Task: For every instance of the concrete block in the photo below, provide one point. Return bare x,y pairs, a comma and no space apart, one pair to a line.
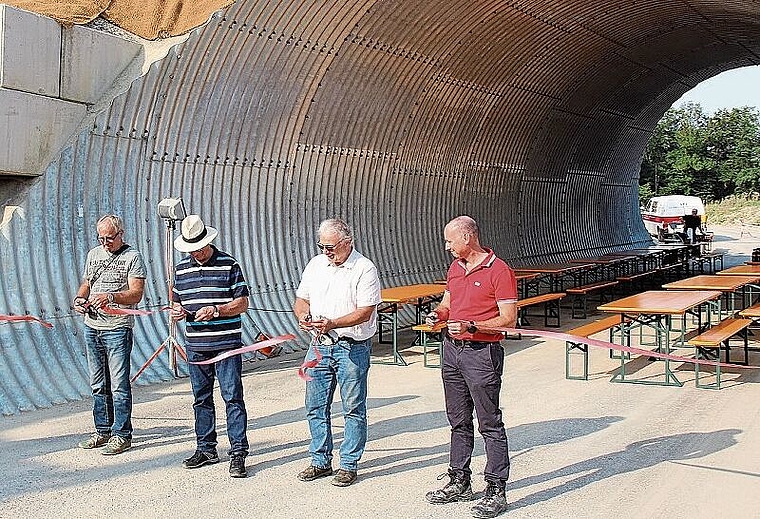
91,61
30,52
33,130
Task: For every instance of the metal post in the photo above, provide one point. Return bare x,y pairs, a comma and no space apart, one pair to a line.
171,344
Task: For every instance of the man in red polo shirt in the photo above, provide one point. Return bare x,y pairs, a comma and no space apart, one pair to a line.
481,293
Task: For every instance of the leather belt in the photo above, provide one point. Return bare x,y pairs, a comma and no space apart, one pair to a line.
461,343
351,340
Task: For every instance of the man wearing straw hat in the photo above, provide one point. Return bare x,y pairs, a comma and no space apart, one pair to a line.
210,293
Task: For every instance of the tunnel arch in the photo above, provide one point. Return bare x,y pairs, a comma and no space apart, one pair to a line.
531,116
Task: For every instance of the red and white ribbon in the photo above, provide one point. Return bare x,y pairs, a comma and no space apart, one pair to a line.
308,364
29,318
247,349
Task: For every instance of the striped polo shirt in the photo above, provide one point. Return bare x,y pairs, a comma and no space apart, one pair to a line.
218,281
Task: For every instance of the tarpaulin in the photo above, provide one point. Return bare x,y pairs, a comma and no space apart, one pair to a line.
149,19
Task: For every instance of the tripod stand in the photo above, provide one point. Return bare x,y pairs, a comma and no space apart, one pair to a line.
170,343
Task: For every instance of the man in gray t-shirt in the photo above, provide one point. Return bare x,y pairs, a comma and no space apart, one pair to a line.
114,278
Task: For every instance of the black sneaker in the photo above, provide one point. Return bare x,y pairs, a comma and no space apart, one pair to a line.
199,459
313,472
237,466
344,478
458,488
492,504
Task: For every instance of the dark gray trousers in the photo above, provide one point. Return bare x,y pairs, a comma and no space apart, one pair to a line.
472,381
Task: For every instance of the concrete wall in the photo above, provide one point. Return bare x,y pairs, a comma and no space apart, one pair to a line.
50,77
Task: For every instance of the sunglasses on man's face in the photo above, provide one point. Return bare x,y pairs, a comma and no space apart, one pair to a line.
328,248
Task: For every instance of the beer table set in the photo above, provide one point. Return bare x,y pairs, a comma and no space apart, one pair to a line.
727,284
646,259
656,309
528,283
422,296
611,266
557,272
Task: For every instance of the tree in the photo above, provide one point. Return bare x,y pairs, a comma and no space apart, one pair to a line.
733,141
711,157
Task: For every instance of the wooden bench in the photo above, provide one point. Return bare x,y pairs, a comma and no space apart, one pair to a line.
637,281
388,315
580,295
551,308
671,272
425,330
709,260
715,337
611,323
750,311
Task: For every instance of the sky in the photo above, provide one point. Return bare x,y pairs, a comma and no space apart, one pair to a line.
733,88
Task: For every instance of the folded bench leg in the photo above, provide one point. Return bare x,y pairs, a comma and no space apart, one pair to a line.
702,353
576,349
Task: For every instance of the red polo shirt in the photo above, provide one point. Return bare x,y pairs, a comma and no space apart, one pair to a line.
474,296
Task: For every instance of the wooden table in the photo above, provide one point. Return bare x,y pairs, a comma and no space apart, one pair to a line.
421,296
528,283
726,284
740,270
656,309
557,273
611,265
681,253
648,259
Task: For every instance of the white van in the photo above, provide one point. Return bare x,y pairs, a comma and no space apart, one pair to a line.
662,215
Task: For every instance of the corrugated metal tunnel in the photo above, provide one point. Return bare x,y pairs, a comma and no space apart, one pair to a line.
396,115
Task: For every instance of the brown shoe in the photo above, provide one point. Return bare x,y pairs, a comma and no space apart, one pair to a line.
116,445
312,472
344,478
95,440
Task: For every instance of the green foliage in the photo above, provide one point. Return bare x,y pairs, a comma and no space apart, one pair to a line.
691,153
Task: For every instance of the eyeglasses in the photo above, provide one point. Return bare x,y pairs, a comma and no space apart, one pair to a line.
108,239
329,248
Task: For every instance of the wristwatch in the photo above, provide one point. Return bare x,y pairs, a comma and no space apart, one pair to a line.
216,312
110,297
472,328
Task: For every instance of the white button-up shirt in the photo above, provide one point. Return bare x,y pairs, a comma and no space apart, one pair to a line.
334,291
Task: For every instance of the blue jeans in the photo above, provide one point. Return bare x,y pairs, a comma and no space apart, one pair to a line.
345,364
229,371
108,354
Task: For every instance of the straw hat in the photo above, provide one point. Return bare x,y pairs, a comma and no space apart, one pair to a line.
195,235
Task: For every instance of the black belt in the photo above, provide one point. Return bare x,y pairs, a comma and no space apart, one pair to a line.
461,343
351,340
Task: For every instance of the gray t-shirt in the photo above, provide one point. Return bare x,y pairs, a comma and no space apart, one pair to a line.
113,278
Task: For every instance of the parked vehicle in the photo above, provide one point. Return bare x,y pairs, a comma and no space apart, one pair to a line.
662,215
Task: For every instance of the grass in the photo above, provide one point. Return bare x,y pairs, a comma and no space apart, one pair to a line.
733,211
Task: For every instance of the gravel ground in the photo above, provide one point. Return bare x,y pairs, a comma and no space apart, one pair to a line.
578,448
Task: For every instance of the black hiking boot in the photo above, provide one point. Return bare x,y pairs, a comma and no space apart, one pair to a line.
457,489
492,504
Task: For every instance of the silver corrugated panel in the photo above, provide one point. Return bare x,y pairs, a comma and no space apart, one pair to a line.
397,115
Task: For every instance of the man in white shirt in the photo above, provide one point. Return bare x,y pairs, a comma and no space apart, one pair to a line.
337,302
